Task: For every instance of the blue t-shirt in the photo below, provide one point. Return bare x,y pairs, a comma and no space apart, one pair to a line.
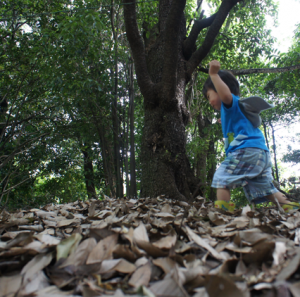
237,130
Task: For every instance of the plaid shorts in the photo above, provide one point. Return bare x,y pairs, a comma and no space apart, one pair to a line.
250,168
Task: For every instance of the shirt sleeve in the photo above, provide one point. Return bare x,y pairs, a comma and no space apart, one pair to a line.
233,106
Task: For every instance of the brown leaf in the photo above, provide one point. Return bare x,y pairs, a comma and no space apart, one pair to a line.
198,240
200,292
170,286
241,268
103,250
35,283
119,265
80,255
217,286
295,289
250,237
261,252
38,263
291,267
123,251
152,250
140,233
66,246
166,208
279,253
141,276
9,285
64,223
166,242
166,264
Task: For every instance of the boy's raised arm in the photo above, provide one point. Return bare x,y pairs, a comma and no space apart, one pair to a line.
221,88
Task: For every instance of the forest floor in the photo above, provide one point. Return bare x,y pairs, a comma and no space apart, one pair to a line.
149,247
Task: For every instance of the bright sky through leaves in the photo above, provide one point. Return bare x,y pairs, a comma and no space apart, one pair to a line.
288,18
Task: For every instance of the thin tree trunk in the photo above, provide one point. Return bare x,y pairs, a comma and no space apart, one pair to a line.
107,155
106,148
267,141
266,135
203,127
125,155
275,156
116,122
211,160
133,192
88,173
3,109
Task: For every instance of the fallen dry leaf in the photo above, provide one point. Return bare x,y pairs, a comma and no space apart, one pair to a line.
141,277
9,285
67,245
103,250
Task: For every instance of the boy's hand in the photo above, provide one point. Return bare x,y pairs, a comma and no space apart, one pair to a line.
214,67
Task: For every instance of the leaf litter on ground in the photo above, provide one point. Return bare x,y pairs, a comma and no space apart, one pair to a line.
149,247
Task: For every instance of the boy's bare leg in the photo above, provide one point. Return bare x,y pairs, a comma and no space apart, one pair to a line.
223,194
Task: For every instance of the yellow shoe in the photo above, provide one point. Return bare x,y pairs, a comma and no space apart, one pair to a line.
291,205
221,204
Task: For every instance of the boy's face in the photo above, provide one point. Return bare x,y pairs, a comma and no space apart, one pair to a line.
214,99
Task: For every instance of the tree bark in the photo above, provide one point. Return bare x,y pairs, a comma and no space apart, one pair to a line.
162,74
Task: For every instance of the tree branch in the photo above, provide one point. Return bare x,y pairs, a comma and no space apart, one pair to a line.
190,42
13,187
212,33
238,72
171,47
201,15
138,50
265,70
16,151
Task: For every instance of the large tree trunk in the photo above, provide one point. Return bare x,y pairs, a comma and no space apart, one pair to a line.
163,70
165,166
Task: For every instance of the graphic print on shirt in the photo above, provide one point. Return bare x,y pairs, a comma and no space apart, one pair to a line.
234,141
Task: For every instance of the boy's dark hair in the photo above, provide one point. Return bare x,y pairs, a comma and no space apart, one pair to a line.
228,78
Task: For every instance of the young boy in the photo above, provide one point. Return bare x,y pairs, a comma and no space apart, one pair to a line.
247,162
